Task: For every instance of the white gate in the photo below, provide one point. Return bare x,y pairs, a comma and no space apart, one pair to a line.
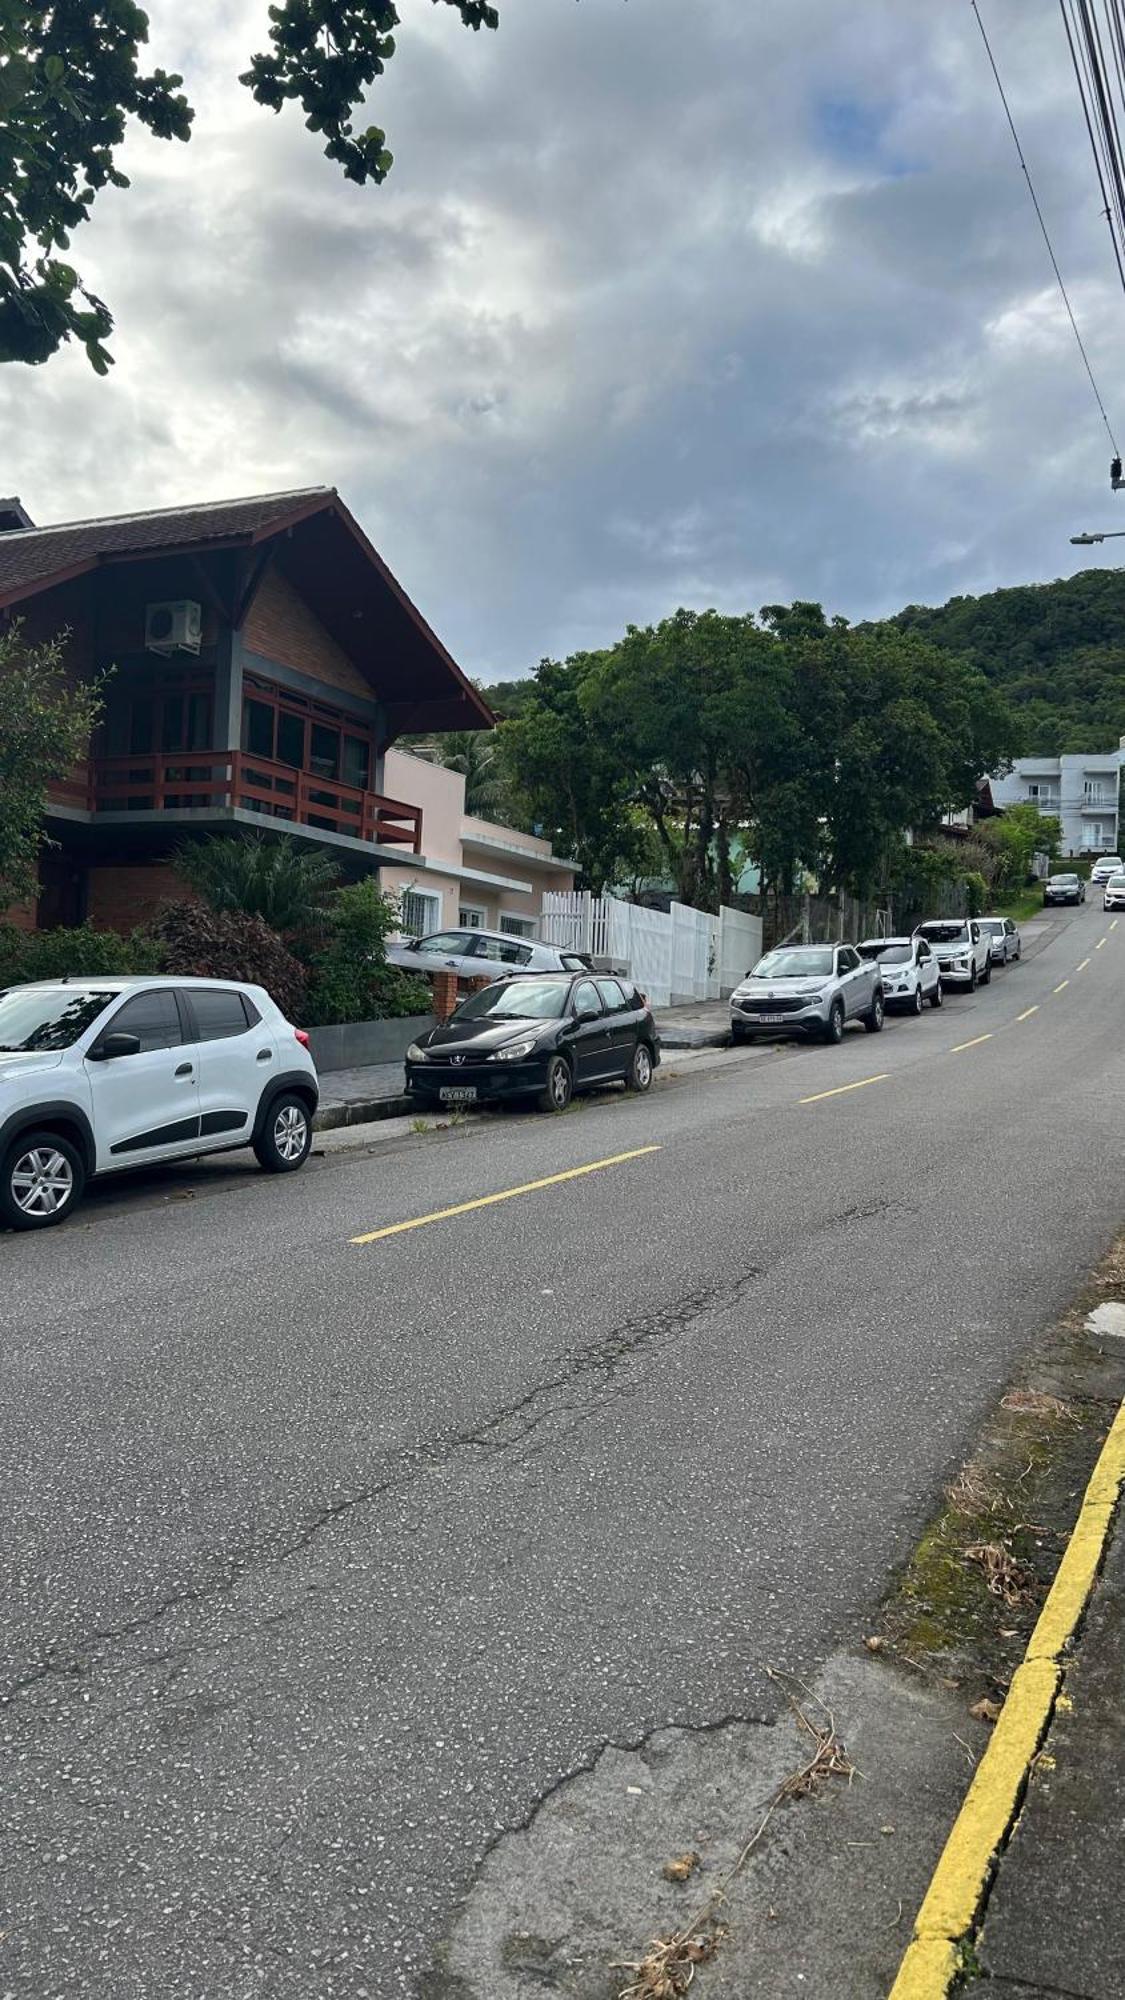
677,956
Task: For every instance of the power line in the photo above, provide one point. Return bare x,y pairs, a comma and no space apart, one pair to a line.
1043,227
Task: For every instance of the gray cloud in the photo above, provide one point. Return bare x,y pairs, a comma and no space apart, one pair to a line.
718,305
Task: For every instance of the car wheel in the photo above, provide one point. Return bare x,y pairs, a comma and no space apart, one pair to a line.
559,1088
285,1140
917,1003
42,1180
737,1034
834,1026
937,997
639,1073
986,975
973,980
873,1019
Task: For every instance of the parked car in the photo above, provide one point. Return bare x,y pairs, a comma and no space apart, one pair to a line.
1109,864
1113,895
962,950
102,1074
543,1037
911,974
1005,942
1064,889
483,955
809,989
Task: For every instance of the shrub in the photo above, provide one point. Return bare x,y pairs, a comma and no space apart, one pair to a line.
351,980
26,955
284,883
198,943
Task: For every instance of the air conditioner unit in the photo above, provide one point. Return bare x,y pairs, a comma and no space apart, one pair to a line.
173,628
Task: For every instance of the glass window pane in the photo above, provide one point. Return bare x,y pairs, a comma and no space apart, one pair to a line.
153,1017
199,722
357,761
172,722
140,725
324,751
291,740
257,728
218,1013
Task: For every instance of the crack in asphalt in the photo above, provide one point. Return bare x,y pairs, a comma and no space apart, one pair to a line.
601,1363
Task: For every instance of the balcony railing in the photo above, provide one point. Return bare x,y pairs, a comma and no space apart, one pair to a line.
185,780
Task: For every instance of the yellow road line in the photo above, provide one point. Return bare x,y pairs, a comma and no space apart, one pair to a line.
842,1088
952,1908
1082,967
1115,923
974,1044
1099,944
1027,1013
506,1194
1061,984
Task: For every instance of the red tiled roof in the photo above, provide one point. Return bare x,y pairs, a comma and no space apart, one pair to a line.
31,558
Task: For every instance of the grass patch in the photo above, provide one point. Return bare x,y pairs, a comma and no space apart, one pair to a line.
1021,904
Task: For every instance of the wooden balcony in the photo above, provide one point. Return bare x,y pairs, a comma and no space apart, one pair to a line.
193,780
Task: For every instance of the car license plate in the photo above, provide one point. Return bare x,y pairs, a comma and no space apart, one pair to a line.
770,1020
462,1093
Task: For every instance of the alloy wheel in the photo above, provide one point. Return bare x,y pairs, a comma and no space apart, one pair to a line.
290,1131
42,1181
642,1067
560,1086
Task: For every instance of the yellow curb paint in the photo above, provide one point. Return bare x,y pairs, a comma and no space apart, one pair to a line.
974,1044
505,1194
1082,967
953,1898
929,1968
953,1901
1027,1014
1062,983
842,1089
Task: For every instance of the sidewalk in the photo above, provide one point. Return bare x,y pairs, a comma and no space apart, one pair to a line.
1053,1920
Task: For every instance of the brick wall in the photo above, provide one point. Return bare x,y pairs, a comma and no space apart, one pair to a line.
118,899
22,915
280,626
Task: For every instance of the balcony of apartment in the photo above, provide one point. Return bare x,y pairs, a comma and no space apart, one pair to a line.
225,782
1045,802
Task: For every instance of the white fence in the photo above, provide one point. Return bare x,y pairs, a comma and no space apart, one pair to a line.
676,956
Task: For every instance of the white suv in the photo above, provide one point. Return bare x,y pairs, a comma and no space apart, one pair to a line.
101,1074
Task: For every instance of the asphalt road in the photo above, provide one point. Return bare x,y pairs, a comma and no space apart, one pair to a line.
324,1562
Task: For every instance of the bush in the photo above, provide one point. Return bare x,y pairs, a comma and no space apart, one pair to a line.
197,943
284,883
351,980
26,955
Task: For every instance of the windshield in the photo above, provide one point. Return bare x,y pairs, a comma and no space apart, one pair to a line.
1064,878
796,962
993,925
886,954
517,1000
945,933
53,1017
1116,881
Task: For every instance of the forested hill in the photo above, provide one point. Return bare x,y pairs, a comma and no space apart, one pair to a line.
1057,650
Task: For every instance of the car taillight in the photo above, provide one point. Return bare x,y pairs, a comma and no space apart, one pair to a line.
302,1035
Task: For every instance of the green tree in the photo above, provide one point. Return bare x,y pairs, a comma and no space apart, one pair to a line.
279,880
1015,837
351,980
567,781
71,78
476,755
45,727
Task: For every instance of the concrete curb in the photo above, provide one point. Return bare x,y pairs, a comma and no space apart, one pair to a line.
364,1111
953,1906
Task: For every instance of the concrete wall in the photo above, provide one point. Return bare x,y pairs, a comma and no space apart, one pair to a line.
355,1044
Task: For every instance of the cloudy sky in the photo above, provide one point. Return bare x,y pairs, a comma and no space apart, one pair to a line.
719,303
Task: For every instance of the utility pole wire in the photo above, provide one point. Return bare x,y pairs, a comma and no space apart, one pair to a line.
1043,227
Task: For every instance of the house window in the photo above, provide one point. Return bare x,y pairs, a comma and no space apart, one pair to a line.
471,917
517,926
421,912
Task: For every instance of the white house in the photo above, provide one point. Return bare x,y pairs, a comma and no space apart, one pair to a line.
1080,790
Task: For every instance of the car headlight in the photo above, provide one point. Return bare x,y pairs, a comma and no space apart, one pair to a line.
959,964
416,1054
515,1051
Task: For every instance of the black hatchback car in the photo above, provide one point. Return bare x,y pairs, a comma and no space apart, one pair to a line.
542,1036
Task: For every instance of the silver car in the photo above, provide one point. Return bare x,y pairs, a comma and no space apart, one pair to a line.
1004,942
478,954
810,989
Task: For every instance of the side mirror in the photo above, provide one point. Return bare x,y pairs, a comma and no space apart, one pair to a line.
587,1013
114,1045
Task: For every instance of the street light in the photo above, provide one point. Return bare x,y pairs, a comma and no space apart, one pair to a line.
1084,541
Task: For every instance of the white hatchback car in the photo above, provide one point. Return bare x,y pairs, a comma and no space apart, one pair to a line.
911,975
97,1075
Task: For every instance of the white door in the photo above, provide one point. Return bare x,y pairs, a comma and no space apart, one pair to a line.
145,1106
237,1056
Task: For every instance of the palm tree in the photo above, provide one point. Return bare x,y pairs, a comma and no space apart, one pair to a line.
279,880
476,755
